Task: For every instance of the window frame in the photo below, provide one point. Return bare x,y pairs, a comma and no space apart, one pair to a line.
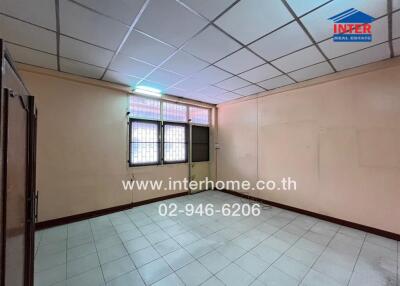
186,126
130,142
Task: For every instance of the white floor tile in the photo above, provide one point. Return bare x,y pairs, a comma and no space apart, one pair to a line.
154,271
193,274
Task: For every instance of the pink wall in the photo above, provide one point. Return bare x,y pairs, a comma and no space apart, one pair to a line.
340,140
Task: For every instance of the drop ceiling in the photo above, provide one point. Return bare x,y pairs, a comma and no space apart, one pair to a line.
206,50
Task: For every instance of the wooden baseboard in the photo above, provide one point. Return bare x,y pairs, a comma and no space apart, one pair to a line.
365,228
79,217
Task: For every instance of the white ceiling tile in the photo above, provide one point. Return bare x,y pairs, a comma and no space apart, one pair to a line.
211,45
210,91
312,72
363,57
184,63
282,42
334,49
24,34
212,75
396,24
175,91
32,57
240,61
251,19
209,8
232,83
319,25
170,22
89,26
130,66
120,78
396,47
228,96
261,73
276,82
164,77
299,59
83,52
38,12
249,90
300,7
123,10
146,49
78,68
191,84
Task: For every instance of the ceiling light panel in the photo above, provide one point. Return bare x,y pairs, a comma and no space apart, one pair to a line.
130,66
334,49
83,52
282,42
184,64
249,90
164,77
82,69
211,45
232,83
89,26
38,12
124,11
276,82
261,17
312,72
145,48
32,57
170,22
363,57
319,25
27,35
120,78
260,73
299,59
208,8
301,7
240,61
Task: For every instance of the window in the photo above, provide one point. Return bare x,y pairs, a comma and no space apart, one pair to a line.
200,143
199,115
144,142
159,132
175,143
145,108
174,112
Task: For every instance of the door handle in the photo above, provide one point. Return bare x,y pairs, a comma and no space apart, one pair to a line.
36,206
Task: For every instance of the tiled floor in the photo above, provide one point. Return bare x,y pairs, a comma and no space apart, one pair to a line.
139,247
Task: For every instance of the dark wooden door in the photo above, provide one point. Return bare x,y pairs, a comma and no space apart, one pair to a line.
17,139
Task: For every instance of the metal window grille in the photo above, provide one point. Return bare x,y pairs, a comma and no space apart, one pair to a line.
145,108
174,112
175,143
199,115
144,142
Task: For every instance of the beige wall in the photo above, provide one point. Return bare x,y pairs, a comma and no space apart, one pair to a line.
340,140
82,146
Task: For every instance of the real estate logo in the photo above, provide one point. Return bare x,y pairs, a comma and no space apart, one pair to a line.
352,26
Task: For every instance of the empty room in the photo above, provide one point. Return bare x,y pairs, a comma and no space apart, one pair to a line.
200,142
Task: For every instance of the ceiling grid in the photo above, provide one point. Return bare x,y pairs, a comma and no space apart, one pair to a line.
182,58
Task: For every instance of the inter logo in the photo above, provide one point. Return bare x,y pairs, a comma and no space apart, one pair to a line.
352,26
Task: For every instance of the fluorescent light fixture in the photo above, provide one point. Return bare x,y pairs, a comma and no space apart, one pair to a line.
148,90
